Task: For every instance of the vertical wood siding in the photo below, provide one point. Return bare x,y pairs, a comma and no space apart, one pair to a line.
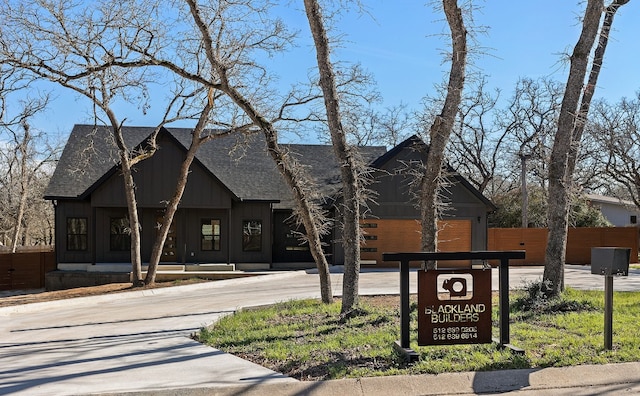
19,271
402,235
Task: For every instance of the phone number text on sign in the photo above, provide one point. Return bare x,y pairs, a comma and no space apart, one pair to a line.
455,333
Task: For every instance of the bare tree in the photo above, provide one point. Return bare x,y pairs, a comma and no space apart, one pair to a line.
81,48
217,56
26,158
573,114
477,149
351,166
107,50
529,120
441,130
386,127
616,129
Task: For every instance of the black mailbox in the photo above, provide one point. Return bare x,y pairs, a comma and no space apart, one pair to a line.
610,260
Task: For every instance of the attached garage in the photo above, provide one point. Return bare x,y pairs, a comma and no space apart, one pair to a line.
393,220
403,235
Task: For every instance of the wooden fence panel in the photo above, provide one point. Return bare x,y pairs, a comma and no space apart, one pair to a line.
579,242
25,270
533,240
5,272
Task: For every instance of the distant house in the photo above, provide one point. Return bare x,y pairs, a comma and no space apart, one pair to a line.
618,212
236,208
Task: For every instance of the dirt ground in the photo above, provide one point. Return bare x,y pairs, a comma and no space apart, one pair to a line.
20,297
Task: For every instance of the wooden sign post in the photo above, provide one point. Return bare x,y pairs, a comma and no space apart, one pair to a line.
455,287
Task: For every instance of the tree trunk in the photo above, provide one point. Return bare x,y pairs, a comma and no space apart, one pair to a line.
22,203
172,206
307,212
559,176
304,209
23,149
441,130
589,90
169,213
18,221
134,220
130,196
351,191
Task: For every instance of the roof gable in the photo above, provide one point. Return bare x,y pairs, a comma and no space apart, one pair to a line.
412,143
239,162
416,144
89,157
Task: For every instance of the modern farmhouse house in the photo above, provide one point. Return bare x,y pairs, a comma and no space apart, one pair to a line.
236,207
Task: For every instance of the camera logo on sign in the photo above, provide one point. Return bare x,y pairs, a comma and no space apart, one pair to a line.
455,286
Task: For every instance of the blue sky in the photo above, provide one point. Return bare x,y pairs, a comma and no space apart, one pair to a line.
401,44
524,39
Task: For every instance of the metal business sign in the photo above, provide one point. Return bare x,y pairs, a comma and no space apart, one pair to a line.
454,306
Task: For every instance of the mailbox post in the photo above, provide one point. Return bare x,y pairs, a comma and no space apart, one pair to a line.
609,261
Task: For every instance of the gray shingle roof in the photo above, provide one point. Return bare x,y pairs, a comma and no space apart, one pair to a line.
89,155
240,162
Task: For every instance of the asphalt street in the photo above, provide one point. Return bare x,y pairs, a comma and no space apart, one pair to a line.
140,341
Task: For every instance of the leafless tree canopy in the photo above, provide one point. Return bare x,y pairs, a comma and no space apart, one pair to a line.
614,130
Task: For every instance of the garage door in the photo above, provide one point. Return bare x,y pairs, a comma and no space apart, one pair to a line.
391,235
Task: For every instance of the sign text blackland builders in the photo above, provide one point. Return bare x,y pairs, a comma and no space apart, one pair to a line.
459,315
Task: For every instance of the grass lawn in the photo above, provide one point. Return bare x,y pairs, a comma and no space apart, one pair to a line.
308,340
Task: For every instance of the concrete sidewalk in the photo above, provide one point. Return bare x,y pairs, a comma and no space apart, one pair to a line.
138,342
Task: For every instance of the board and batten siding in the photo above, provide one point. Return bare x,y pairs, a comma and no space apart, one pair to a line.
250,211
65,209
156,180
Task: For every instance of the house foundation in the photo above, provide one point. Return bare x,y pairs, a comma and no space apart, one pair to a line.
72,275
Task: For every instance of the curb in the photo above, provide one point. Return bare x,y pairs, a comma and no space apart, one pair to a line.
554,380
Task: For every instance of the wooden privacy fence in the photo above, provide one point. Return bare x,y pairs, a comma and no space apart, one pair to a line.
25,270
579,242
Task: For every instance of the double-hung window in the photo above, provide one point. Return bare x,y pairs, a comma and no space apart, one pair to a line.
77,234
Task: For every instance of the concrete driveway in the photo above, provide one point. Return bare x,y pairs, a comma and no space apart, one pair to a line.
140,341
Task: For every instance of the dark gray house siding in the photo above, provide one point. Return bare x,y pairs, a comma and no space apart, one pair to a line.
394,197
397,199
233,183
253,212
155,183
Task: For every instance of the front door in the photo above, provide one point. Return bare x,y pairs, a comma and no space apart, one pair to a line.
170,247
286,244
